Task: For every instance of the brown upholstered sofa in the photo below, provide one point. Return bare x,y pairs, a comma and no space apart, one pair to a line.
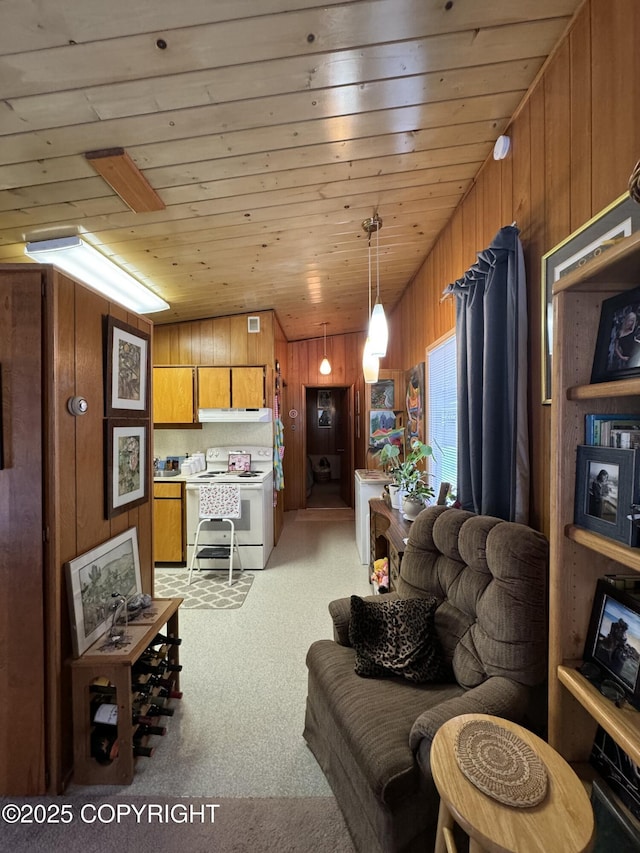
372,736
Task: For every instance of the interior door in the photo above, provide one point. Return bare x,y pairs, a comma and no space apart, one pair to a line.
22,710
344,442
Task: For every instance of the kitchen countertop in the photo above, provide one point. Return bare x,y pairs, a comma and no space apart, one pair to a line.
177,478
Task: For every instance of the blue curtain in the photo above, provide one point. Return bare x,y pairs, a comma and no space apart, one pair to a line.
491,341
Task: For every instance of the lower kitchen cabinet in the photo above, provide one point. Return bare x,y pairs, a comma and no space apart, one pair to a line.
169,538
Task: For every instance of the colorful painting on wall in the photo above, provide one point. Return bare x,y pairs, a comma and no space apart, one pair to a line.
382,394
415,404
383,430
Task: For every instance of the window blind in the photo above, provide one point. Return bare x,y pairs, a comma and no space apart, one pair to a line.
442,427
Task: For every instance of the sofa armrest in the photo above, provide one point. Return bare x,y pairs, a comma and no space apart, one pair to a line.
340,610
498,696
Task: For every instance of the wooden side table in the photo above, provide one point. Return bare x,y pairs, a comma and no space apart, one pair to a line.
388,530
563,821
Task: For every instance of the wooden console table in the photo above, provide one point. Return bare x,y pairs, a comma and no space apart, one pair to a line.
388,530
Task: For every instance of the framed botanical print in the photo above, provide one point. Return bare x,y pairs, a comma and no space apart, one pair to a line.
127,370
92,580
127,470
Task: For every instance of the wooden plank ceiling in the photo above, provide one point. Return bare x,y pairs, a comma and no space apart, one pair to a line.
269,128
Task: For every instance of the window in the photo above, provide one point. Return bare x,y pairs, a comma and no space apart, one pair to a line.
442,413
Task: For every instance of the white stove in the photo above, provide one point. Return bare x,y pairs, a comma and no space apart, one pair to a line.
251,468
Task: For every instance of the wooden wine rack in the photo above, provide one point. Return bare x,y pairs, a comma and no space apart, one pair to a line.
115,665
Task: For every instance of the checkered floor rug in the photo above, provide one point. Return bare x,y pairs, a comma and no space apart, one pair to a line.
209,590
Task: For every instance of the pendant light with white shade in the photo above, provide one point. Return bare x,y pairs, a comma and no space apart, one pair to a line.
370,362
378,329
325,366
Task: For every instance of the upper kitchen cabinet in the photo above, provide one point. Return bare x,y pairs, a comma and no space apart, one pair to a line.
231,387
173,395
247,387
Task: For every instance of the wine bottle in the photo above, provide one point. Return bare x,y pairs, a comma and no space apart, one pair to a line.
163,639
102,685
105,713
145,751
143,719
159,710
144,729
165,685
155,665
104,744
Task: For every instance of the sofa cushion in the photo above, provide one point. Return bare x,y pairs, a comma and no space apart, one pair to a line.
396,637
366,722
489,577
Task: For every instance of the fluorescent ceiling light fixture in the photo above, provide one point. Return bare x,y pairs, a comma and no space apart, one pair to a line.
84,263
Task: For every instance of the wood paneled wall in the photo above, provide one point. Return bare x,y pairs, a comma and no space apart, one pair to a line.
345,356
217,341
575,141
75,482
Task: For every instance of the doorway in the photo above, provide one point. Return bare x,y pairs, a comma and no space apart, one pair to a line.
329,447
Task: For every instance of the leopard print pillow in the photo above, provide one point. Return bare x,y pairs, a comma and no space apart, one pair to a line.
396,637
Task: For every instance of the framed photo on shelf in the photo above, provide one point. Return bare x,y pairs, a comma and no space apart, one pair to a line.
617,353
126,465
613,638
93,578
127,370
606,492
620,219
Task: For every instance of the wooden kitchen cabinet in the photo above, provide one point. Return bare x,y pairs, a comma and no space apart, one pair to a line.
173,395
168,523
214,388
231,387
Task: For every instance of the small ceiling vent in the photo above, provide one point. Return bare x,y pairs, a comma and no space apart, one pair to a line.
253,325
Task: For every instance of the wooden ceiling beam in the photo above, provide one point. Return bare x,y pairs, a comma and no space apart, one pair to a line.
123,176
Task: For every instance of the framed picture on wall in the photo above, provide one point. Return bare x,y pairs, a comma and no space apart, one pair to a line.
92,580
384,429
620,219
325,420
127,370
325,399
126,465
382,394
415,404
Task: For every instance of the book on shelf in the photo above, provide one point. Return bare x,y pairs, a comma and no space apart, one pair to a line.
598,427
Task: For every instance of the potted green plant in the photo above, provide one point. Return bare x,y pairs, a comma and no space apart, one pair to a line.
408,478
415,498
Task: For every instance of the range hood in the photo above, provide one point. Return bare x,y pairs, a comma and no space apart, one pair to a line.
207,416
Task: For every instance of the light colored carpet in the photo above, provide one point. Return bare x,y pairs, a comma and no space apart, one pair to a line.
161,825
327,514
209,590
236,736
